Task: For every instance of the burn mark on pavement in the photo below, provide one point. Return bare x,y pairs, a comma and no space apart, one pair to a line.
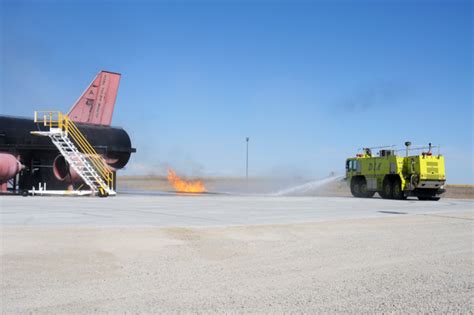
392,212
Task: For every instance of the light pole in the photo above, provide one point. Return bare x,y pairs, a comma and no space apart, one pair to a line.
247,161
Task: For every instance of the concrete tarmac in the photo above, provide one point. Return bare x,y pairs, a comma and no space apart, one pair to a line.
207,210
230,254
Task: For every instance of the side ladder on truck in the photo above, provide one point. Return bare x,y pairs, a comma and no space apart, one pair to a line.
77,151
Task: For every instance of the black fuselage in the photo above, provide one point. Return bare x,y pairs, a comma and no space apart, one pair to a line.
37,153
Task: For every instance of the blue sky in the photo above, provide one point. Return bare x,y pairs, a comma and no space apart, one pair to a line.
309,82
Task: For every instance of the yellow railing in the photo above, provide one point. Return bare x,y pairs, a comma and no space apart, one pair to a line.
85,147
56,119
51,119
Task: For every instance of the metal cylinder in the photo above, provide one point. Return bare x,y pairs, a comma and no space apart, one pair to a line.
9,166
112,143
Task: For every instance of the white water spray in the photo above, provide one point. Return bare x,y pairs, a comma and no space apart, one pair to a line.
308,188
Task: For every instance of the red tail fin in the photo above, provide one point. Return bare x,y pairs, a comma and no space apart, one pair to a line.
96,104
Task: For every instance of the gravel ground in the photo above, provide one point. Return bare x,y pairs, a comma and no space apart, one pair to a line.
418,263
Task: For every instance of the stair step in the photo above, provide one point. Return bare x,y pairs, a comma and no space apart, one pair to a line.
83,165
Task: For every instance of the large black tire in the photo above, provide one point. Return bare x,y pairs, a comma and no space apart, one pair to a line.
397,192
355,187
387,192
363,189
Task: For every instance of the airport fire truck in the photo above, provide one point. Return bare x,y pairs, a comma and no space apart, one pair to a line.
397,177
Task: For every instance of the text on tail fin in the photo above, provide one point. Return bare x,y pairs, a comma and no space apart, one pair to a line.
96,104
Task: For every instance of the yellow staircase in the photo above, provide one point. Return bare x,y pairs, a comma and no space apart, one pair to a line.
77,151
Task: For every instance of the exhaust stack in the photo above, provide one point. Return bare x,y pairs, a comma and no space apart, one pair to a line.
407,145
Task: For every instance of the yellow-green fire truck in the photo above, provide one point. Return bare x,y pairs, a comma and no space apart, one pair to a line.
396,177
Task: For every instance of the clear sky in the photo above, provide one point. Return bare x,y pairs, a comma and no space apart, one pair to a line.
309,82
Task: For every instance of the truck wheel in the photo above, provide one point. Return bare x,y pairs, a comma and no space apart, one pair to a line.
363,190
363,187
397,192
355,187
387,189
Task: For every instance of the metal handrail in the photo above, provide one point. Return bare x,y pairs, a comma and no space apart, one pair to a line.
98,162
55,119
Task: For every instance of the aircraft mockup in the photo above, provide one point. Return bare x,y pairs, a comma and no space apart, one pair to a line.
28,160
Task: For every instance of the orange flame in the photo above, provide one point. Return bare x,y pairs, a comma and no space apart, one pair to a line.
181,185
